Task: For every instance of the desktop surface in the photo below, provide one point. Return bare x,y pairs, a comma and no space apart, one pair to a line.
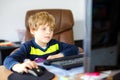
58,76
77,73
62,72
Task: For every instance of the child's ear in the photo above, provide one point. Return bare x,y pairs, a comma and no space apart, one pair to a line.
32,31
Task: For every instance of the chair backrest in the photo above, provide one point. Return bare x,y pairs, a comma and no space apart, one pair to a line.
64,24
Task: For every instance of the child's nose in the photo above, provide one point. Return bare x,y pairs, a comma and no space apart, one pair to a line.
48,31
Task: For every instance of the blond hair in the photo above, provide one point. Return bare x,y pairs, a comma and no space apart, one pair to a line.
41,18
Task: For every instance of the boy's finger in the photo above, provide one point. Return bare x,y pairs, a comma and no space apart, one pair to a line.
25,70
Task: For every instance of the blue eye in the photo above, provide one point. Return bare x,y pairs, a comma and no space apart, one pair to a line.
51,29
44,29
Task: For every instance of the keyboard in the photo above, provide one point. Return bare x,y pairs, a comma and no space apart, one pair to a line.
67,62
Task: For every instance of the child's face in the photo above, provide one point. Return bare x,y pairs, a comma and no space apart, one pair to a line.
43,34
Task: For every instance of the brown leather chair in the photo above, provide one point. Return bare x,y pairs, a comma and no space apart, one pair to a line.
63,31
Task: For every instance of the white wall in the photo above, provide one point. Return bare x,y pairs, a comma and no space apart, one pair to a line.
12,15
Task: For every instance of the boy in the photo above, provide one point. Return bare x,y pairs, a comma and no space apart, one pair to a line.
41,26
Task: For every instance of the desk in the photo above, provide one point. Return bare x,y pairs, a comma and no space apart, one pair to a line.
77,73
4,73
62,72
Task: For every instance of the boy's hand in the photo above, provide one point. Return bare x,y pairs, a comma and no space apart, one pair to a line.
23,67
55,56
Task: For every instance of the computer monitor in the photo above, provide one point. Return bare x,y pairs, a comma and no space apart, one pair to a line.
102,35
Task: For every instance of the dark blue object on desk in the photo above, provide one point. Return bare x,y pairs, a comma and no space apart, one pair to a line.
5,51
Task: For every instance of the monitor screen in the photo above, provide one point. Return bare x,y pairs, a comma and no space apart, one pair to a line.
102,35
